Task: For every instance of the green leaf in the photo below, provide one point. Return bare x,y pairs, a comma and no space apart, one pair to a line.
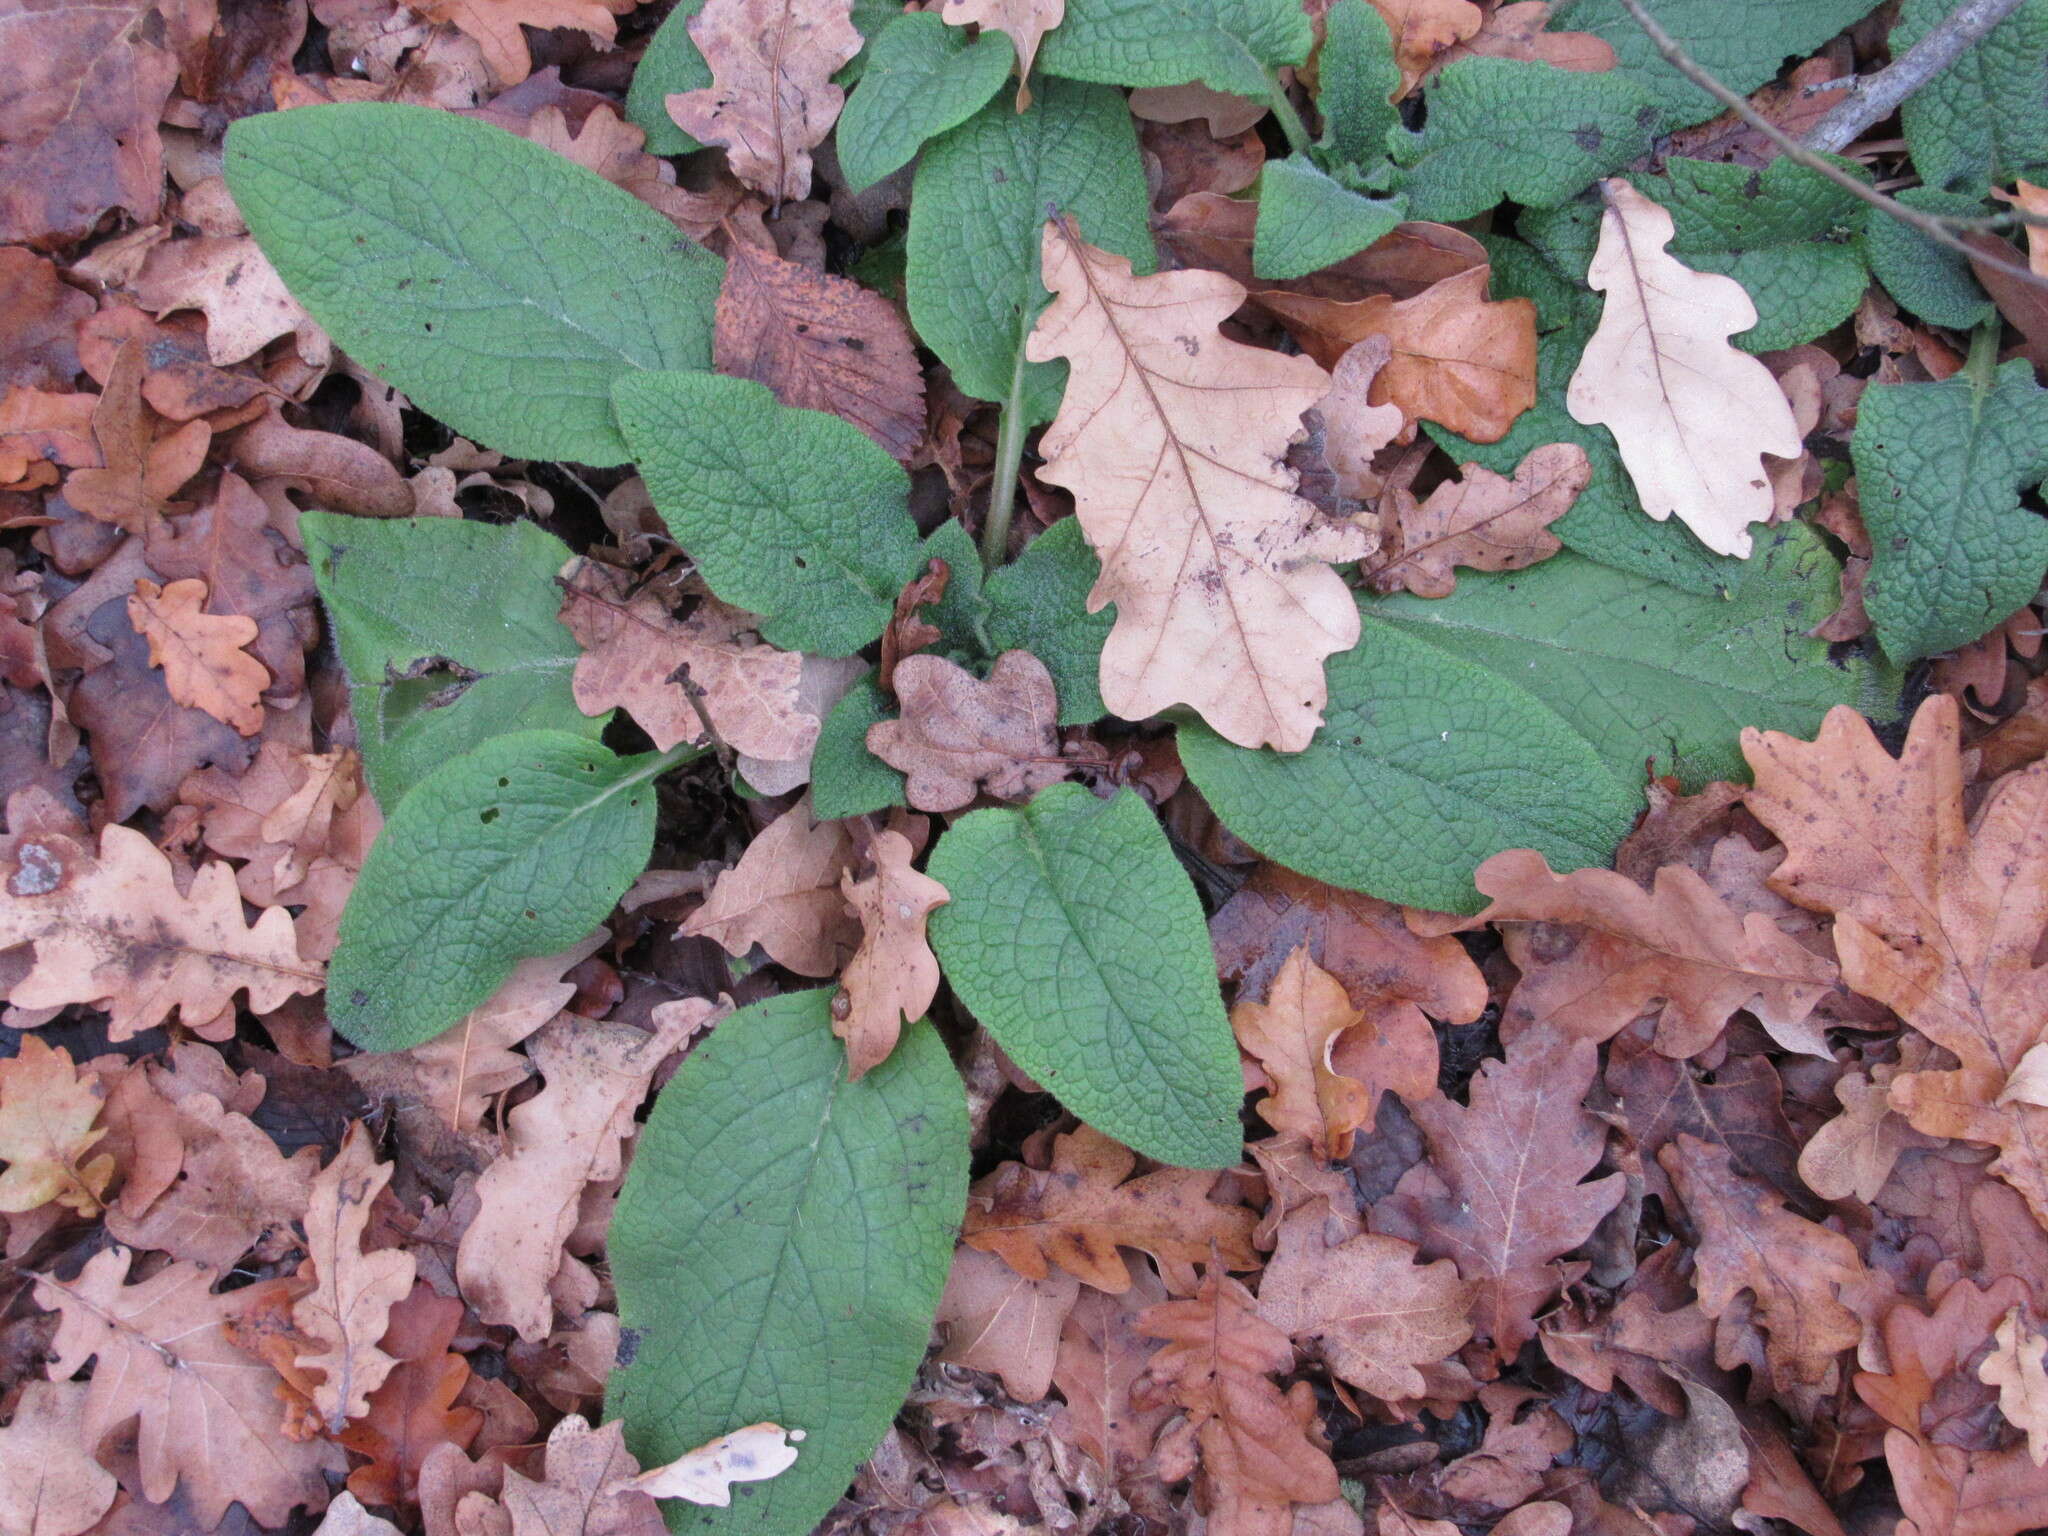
447,631
1741,42
1075,937
1939,468
791,514
1228,45
924,77
516,849
1427,765
1651,675
977,206
1785,233
1931,280
1356,80
1038,603
1985,117
779,1250
500,286
670,66
846,778
1308,222
1607,522
1512,128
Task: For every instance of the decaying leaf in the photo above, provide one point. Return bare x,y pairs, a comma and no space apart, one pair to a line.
2014,1367
893,977
706,1474
960,735
496,26
1482,520
1171,437
784,895
1692,415
49,1123
49,1483
201,653
1291,1036
354,1289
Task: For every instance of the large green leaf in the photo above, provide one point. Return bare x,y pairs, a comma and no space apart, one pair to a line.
1229,45
1038,603
1985,117
923,78
670,66
499,285
516,849
1356,80
1740,42
1307,221
1932,281
1512,128
1939,469
1075,938
1427,765
447,631
1647,674
979,201
792,514
779,1250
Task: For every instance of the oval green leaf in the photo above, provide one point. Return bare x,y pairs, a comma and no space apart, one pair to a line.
779,1250
922,77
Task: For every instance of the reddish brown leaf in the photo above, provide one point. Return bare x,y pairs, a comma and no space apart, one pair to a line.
1291,1038
893,977
415,1409
1484,521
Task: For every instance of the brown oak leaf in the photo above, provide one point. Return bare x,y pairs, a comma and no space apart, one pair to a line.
1101,1361
49,1483
960,735
2014,1367
1485,521
991,1318
495,24
49,1122
354,1288
1518,31
893,976
1078,1212
246,303
1291,1036
784,895
587,1488
1424,30
1172,437
771,100
140,469
39,319
201,653
415,1409
234,1191
1026,22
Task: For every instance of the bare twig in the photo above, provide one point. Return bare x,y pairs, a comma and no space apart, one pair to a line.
1876,98
1935,227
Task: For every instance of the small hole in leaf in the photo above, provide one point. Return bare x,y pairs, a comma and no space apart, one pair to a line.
531,915
800,564
504,783
489,816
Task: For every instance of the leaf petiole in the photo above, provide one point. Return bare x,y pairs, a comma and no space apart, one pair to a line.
1010,435
1291,124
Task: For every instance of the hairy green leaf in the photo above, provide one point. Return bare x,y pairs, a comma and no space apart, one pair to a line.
1984,119
670,66
447,631
1228,45
791,514
1038,603
1308,222
779,1249
1075,938
501,287
1427,765
922,78
1939,469
846,778
1356,80
518,848
979,201
1931,280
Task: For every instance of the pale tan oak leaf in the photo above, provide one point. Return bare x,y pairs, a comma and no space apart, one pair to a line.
1026,22
1171,438
1483,521
49,1483
2014,1367
960,734
1692,414
1291,1036
49,1122
354,1289
202,656
893,977
784,895
771,100
991,1318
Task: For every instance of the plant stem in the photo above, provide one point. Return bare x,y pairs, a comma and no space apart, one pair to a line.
1874,99
1002,490
1283,108
1981,366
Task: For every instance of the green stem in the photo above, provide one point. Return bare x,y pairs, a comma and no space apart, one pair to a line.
1290,120
1982,364
659,763
1002,491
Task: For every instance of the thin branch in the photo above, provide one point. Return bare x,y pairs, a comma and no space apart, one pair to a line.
1935,227
1876,98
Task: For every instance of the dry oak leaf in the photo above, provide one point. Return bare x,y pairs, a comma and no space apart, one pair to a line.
784,895
1500,1195
495,25
49,1114
1691,414
821,342
706,1475
1797,1272
1102,1359
907,632
140,470
771,100
1935,918
586,1489
1853,1154
115,933
415,1409
1078,1212
1026,22
960,735
893,977
49,1483
991,1318
1291,1036
1217,1364
1172,437
1457,357
354,1289
2014,1367
1484,521
201,653
1596,950
1354,429
567,1137
210,1420
1375,1312
1424,30
1517,31
638,655
246,303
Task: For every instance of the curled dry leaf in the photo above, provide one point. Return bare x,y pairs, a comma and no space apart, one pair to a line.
1692,415
960,735
354,1289
49,1122
201,653
784,895
771,100
496,24
1483,520
247,306
1354,428
1171,437
140,469
1291,1036
893,976
1078,1212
